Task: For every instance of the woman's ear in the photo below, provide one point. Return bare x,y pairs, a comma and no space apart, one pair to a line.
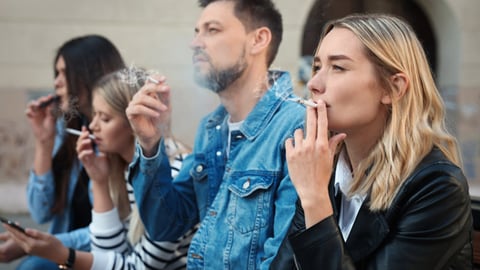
400,83
261,40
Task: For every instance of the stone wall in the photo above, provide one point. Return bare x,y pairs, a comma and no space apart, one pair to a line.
155,34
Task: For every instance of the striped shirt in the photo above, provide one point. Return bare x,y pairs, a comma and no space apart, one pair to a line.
112,250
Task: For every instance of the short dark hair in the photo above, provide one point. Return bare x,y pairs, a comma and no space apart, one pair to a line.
255,14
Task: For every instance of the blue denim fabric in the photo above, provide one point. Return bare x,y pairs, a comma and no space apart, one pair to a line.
41,196
245,202
36,263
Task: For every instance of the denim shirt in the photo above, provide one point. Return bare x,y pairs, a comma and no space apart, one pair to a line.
41,197
245,202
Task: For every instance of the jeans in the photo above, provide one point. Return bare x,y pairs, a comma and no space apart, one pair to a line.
33,263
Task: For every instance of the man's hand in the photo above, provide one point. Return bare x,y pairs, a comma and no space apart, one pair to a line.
149,114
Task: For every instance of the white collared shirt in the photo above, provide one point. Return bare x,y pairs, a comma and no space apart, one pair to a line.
349,207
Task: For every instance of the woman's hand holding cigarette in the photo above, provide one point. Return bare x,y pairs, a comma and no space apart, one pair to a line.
41,120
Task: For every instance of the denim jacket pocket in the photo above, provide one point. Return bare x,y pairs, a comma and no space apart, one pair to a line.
249,206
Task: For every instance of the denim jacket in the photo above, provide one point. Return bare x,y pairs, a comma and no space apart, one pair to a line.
41,196
245,202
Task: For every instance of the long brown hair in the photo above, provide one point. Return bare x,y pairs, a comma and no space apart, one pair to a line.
87,58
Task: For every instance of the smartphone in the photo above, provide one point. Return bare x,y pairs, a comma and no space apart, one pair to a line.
13,224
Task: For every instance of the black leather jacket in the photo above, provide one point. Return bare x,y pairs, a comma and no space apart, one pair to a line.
428,226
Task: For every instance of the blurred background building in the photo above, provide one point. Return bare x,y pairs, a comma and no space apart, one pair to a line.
155,34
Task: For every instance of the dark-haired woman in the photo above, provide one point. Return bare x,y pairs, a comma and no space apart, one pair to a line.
57,190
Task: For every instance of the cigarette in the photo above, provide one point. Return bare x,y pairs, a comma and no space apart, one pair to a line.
78,133
307,103
152,80
304,102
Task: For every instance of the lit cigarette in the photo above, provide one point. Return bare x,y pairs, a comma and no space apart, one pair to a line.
304,102
78,133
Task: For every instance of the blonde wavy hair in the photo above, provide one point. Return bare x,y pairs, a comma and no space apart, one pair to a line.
118,91
416,120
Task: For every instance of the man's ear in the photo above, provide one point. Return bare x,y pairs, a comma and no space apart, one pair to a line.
400,84
261,40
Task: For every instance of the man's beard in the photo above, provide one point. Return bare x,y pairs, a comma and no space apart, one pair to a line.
218,80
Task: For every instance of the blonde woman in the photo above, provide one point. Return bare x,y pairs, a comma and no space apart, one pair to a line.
378,176
118,238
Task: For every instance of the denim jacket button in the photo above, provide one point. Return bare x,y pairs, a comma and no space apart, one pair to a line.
246,184
219,153
199,168
218,127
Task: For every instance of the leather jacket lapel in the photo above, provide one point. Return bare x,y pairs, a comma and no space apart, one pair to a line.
368,231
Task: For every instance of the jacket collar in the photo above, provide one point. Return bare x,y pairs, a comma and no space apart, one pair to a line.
264,110
371,228
368,231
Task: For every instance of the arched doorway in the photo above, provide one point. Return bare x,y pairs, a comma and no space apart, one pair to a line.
325,10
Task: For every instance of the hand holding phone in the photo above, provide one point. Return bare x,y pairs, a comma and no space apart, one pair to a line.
12,224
